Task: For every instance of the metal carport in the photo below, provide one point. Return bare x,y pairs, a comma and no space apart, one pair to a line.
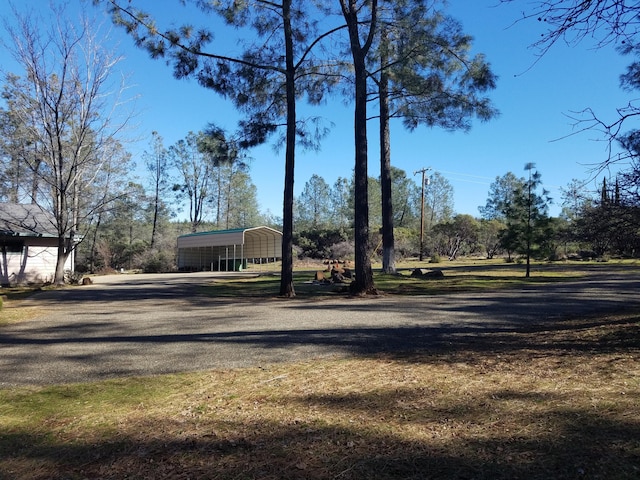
228,250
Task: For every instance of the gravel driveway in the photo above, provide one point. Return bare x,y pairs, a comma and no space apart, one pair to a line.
125,325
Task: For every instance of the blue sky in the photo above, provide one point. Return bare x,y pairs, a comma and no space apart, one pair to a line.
535,97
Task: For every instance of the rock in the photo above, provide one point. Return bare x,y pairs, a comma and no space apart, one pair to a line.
337,277
433,274
426,274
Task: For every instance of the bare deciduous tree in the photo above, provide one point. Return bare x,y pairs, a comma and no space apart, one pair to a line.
571,21
157,164
70,109
603,22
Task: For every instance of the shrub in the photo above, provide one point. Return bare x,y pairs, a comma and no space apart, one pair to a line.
318,243
435,258
72,278
407,242
156,262
343,250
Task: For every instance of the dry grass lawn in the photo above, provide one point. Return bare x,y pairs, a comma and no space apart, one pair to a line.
547,403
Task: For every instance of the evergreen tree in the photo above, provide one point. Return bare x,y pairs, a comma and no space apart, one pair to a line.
611,224
242,205
375,203
526,217
314,204
426,77
265,81
341,200
227,159
361,32
502,193
20,154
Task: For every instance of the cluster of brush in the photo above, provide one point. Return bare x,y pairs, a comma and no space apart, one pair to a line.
336,272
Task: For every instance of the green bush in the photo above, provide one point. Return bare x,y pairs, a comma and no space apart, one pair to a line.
435,258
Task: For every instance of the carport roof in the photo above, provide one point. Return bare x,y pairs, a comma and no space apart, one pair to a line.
220,238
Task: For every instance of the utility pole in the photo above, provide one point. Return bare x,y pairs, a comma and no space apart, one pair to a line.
423,171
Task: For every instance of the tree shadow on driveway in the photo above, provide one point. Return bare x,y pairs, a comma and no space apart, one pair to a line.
154,327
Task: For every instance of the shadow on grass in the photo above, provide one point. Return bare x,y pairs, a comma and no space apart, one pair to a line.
400,284
447,446
493,430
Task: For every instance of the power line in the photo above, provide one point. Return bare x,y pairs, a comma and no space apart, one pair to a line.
466,175
556,187
468,181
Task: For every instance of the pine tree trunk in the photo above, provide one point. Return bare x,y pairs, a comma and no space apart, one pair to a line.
388,241
363,283
286,276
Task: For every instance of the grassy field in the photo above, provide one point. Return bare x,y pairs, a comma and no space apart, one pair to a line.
459,276
552,402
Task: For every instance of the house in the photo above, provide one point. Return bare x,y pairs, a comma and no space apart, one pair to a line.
28,245
229,250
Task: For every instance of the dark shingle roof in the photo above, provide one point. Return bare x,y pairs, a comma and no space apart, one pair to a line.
26,220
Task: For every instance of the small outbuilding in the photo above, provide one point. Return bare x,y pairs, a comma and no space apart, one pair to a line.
28,245
229,250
